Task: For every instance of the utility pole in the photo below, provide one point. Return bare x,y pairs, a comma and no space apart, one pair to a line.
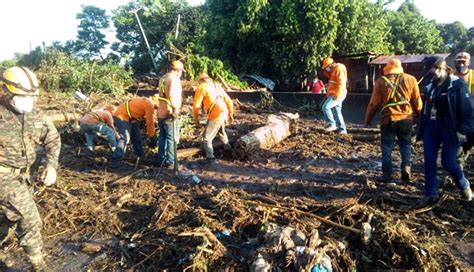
177,28
146,41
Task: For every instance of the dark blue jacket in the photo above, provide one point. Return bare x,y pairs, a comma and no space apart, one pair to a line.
460,107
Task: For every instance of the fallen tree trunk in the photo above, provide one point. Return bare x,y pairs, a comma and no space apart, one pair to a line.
192,151
366,137
353,130
278,128
63,117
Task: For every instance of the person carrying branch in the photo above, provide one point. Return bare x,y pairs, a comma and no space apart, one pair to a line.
219,109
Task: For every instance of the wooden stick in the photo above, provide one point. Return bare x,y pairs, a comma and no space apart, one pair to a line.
322,219
223,82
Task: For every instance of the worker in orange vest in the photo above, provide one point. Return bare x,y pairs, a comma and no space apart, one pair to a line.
218,107
461,64
99,122
398,96
169,107
127,119
336,93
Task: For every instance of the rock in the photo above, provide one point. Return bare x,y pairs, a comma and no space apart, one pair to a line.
90,248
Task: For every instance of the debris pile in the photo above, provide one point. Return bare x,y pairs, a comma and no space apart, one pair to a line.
312,201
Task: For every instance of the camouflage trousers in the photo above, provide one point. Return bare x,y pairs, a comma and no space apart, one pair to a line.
17,207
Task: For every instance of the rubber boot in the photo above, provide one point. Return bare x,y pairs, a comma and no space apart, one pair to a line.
406,173
38,264
387,178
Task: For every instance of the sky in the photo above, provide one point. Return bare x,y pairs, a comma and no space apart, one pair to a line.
28,23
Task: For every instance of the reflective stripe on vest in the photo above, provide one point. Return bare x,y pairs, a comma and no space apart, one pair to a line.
218,98
469,81
394,87
162,93
127,107
96,116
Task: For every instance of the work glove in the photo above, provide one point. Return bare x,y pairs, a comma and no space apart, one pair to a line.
461,138
49,176
152,142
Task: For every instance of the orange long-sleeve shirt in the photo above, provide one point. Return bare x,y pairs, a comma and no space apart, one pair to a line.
172,92
206,94
337,84
408,88
90,119
140,107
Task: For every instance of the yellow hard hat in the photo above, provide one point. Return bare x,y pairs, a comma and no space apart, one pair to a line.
203,76
327,62
177,65
20,81
393,66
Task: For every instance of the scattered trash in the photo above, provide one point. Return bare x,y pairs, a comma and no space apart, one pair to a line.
260,265
222,234
80,96
324,265
131,246
196,179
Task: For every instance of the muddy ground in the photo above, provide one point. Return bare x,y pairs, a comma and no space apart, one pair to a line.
220,218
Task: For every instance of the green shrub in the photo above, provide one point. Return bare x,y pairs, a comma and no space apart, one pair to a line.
61,72
197,64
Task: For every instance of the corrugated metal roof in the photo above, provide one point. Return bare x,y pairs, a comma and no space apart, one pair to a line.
405,58
270,84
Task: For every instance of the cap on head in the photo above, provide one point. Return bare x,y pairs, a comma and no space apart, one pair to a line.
203,76
177,65
463,56
434,62
327,62
20,81
393,66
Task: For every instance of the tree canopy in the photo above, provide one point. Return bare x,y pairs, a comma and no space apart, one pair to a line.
90,39
412,33
280,39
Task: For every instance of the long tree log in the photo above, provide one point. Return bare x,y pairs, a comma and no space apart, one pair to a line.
278,128
192,151
62,117
353,130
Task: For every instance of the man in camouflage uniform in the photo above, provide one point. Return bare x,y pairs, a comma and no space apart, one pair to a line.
22,129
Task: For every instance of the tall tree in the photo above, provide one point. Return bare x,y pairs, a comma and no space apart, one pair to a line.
280,39
411,32
364,28
159,22
90,39
455,36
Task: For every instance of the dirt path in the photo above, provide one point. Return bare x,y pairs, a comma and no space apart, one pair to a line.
145,220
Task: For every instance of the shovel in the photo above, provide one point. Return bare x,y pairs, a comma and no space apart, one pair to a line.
175,148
